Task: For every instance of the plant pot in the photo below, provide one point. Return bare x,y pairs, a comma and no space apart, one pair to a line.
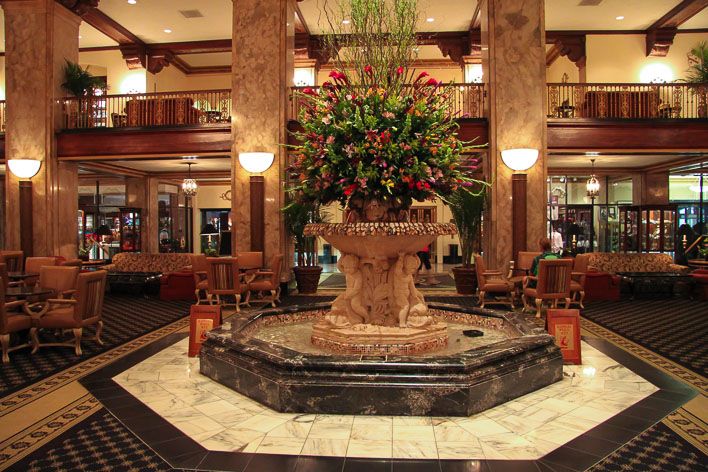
465,280
84,257
307,278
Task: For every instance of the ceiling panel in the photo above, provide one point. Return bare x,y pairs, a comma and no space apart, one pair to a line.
90,37
209,59
177,165
638,14
614,161
698,21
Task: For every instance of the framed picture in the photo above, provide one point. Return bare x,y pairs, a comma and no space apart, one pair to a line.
202,319
564,325
612,211
603,214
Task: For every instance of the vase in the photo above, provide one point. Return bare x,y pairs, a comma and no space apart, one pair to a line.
307,278
465,280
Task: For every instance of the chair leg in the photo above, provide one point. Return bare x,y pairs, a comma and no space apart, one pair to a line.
99,330
582,297
272,298
247,301
35,339
481,298
196,295
210,298
77,340
5,341
539,305
567,303
277,297
238,303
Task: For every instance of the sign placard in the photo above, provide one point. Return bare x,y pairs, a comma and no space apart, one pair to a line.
564,325
202,319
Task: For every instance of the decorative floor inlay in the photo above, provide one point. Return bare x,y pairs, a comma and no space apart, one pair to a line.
526,428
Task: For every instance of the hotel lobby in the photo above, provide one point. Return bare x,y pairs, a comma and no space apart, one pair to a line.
354,235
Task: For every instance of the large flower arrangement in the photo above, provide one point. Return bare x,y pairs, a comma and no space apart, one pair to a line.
370,142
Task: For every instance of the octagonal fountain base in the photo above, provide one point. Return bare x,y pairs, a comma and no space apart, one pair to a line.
269,358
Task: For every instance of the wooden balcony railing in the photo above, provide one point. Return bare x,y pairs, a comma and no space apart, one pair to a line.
148,109
2,116
628,101
467,101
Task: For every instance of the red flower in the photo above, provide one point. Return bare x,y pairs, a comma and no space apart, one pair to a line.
350,189
309,91
421,76
432,82
336,75
369,71
399,71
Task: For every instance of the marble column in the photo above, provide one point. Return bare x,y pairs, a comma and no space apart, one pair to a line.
513,60
650,188
262,72
40,36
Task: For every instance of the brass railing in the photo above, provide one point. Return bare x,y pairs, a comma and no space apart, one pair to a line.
467,101
148,109
628,101
2,116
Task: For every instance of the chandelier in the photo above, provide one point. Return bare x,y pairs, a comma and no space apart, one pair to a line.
593,185
189,185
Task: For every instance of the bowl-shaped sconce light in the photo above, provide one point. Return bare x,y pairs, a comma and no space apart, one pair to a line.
519,159
24,168
256,162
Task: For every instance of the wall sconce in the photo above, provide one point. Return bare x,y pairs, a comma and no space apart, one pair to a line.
24,168
256,162
519,160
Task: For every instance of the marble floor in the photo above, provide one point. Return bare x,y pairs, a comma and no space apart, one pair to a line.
528,427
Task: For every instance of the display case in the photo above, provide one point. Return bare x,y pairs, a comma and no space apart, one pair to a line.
574,223
130,229
648,228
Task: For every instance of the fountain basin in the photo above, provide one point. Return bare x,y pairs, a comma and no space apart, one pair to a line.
251,357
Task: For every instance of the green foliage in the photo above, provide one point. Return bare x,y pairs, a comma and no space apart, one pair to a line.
297,216
467,208
79,81
697,72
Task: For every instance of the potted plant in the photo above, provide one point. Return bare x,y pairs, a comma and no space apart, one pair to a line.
467,208
697,73
80,83
307,271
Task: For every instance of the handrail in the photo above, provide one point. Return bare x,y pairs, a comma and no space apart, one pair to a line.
695,243
182,108
627,101
467,101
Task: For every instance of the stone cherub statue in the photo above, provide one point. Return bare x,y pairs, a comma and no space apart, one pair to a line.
348,309
407,301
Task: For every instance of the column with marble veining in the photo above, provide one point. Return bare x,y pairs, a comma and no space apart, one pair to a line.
40,36
262,72
513,60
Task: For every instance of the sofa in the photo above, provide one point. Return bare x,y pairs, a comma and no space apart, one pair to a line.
613,263
176,282
700,277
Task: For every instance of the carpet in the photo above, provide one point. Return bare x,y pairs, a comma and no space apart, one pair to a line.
656,449
676,329
125,318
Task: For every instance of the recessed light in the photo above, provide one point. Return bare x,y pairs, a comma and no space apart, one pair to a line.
167,30
430,20
345,22
619,18
132,2
80,36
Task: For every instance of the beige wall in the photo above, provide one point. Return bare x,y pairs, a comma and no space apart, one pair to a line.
561,66
120,78
171,79
620,58
208,196
2,78
444,74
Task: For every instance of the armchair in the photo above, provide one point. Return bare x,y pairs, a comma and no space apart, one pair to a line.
268,280
11,322
61,279
5,278
13,259
34,264
492,281
577,281
199,269
77,313
224,278
552,283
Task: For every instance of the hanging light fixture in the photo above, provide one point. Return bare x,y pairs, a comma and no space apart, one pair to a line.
189,185
593,185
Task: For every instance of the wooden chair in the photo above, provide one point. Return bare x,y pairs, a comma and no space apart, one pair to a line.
517,272
552,283
577,281
84,309
268,280
72,263
199,268
13,259
34,264
250,260
492,281
224,278
11,323
61,279
5,278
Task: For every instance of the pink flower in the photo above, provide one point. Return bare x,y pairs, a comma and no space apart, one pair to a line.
369,71
432,82
309,91
399,71
421,76
330,140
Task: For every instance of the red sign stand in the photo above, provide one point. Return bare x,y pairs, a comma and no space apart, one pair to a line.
202,318
564,325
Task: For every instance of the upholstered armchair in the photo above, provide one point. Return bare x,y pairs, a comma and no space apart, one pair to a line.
61,279
577,281
13,259
33,265
199,269
224,278
492,281
552,284
83,310
11,322
268,280
250,260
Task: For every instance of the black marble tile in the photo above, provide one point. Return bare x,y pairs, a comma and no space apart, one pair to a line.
413,465
573,458
367,465
226,461
188,461
592,445
268,462
609,432
633,423
177,447
512,466
319,464
549,467
464,466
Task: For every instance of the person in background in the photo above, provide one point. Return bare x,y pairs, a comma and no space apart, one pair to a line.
424,256
544,244
556,240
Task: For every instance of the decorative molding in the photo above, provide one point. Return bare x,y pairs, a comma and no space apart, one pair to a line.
80,7
658,41
660,35
571,45
158,60
134,55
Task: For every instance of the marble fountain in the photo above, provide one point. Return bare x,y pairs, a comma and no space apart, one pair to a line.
379,348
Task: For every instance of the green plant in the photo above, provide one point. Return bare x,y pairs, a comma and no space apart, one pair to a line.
83,251
79,81
697,72
297,216
211,252
467,208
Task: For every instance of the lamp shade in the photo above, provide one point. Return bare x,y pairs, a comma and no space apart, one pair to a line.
208,229
256,162
519,159
24,168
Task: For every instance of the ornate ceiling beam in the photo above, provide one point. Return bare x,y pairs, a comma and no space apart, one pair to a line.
158,60
571,45
80,7
660,35
552,54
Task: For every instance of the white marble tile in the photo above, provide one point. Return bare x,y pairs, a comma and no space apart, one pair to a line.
291,429
557,405
413,433
412,420
381,431
481,427
151,376
593,414
262,422
365,448
490,453
330,430
453,434
552,433
521,425
335,419
460,450
233,439
325,447
414,450
358,420
291,446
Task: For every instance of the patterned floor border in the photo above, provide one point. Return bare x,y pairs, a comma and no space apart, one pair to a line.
28,394
23,443
690,427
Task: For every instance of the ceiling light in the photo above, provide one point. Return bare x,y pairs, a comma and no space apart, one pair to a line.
132,2
189,185
345,22
430,20
167,30
619,18
593,185
79,36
